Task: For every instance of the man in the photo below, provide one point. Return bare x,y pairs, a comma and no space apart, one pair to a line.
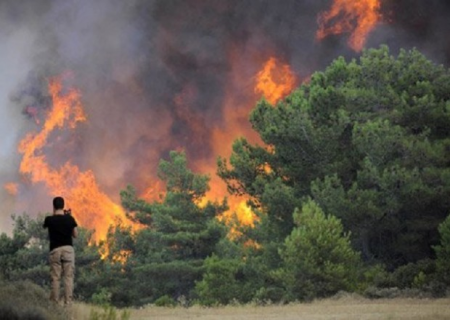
62,227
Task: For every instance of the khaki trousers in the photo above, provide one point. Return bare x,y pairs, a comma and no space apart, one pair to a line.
62,264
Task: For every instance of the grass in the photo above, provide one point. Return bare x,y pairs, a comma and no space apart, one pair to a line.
336,309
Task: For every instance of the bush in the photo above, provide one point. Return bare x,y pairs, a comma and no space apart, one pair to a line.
318,260
102,298
109,313
165,301
443,252
413,275
376,276
267,296
23,300
218,286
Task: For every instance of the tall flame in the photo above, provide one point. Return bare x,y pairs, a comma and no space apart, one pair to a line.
359,17
92,208
275,80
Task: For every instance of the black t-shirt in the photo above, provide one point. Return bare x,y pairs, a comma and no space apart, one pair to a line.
60,228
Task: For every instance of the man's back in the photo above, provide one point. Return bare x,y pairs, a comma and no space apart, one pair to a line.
60,228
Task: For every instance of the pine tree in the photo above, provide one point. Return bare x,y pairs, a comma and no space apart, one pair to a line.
369,141
443,252
318,259
169,253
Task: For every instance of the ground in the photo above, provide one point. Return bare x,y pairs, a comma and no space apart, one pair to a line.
337,309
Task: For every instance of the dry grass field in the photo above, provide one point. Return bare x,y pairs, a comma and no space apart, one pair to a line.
337,309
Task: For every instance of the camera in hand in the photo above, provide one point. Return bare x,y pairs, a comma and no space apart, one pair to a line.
68,211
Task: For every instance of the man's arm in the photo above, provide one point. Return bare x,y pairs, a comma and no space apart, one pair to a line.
75,232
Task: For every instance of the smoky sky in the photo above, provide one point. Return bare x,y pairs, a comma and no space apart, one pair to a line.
154,75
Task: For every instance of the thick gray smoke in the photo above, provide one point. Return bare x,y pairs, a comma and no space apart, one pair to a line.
155,75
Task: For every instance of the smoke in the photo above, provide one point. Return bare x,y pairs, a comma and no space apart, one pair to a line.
15,63
415,23
164,74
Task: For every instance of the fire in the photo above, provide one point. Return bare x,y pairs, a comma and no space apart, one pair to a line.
275,80
12,188
92,208
359,17
154,192
245,213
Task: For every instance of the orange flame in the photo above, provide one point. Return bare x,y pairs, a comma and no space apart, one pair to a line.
275,80
92,208
359,17
12,188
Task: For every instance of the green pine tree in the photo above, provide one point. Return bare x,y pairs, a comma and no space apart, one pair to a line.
318,259
169,254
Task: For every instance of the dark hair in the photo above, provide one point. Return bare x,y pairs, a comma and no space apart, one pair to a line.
58,203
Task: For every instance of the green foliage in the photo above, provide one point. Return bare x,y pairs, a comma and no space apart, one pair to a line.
219,285
443,252
109,313
413,275
165,301
369,141
24,256
103,297
167,256
317,257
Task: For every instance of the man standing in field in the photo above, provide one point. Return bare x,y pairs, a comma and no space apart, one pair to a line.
62,227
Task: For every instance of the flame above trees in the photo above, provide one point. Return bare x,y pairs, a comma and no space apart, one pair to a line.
92,208
358,17
275,80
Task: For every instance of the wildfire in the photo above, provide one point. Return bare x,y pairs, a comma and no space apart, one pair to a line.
275,80
92,208
359,17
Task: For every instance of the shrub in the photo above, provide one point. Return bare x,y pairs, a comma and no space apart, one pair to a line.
218,286
23,300
413,275
109,313
103,297
318,260
443,251
165,301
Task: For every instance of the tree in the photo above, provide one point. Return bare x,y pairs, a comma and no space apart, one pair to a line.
219,285
443,252
24,256
318,259
168,254
369,141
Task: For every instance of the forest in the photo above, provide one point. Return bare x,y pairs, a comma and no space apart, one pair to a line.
350,188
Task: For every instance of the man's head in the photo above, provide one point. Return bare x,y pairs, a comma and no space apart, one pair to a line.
58,203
